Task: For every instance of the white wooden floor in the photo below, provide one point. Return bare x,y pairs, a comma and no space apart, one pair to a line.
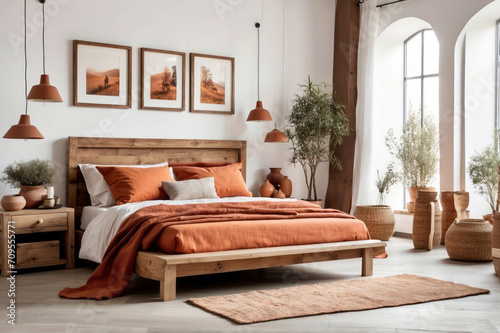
39,309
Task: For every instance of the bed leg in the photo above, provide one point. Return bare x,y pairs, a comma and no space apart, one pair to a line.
367,262
167,285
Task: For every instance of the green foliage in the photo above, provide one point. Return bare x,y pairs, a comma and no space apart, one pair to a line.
316,125
385,181
417,150
483,172
31,173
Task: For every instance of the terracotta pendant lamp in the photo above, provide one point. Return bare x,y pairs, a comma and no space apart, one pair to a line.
44,92
24,129
259,113
276,136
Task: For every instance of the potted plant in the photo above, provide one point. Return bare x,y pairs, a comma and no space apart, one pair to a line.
417,150
315,126
29,177
384,182
483,173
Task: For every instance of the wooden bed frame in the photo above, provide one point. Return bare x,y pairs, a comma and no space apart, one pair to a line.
167,267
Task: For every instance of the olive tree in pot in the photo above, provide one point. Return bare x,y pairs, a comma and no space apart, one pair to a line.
315,126
417,150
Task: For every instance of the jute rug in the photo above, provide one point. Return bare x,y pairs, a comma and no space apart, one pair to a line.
339,296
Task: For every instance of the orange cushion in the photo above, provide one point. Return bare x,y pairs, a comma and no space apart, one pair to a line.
135,184
229,181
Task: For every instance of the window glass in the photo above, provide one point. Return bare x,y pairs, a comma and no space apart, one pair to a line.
414,56
431,53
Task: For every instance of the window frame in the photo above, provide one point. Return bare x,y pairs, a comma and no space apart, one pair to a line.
497,62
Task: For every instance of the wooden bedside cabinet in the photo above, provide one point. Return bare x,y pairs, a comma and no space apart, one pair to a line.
43,237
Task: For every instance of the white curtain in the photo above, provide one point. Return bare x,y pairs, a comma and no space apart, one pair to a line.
363,187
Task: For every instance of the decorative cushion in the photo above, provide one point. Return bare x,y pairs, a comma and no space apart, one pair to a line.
203,188
135,184
228,179
98,189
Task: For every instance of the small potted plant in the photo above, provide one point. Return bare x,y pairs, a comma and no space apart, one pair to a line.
417,150
483,173
384,182
29,177
315,126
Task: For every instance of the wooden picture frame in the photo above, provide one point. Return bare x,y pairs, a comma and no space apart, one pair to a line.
163,75
102,75
212,84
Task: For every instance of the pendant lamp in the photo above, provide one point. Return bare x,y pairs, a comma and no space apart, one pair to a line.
24,129
276,136
259,113
44,92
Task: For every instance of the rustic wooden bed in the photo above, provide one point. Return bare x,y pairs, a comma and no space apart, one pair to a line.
167,267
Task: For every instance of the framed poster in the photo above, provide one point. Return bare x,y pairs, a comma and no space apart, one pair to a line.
212,84
162,80
102,75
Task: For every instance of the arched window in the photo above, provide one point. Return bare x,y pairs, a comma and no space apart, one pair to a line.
421,74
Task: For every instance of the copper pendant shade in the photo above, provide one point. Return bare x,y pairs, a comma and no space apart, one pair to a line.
259,113
44,92
276,136
23,130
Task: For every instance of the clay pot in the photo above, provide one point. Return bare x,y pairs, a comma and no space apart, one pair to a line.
412,193
13,202
426,221
449,213
275,177
286,186
379,220
489,218
469,240
267,189
495,242
461,203
279,194
33,195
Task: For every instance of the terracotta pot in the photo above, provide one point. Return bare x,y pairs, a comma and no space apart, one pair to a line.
279,194
412,193
275,177
267,189
33,195
495,242
426,221
449,213
461,203
469,240
489,218
286,186
13,202
378,219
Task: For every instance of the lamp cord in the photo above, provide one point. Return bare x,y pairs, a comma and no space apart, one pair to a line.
43,35
258,63
25,64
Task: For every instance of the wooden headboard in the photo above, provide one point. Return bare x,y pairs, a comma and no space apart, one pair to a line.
121,151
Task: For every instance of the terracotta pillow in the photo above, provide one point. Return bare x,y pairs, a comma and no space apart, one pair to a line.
229,181
136,184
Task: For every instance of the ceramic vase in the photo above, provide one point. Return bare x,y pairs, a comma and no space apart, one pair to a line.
426,221
267,189
469,240
461,203
275,177
412,193
33,195
279,194
13,202
286,186
495,243
449,213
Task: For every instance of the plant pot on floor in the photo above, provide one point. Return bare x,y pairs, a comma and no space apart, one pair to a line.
412,193
469,240
378,219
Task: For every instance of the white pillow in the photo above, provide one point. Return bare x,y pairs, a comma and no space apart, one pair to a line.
203,188
100,194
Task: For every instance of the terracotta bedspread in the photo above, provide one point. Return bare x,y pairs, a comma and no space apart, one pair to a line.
141,230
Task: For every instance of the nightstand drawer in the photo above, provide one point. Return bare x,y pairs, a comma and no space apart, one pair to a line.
40,221
38,254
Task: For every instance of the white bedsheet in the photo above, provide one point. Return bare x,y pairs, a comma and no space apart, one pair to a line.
89,213
101,230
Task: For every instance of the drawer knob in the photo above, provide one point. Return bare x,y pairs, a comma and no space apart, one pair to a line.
40,221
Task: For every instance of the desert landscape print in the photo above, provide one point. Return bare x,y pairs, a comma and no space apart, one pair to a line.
164,84
212,86
103,83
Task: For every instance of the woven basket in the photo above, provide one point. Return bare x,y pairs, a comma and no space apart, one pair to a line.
469,240
449,213
379,220
426,231
495,243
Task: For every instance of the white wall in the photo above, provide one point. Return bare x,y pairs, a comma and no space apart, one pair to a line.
192,26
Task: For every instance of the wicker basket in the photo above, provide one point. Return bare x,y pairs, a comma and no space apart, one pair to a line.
495,242
426,231
449,213
469,240
379,220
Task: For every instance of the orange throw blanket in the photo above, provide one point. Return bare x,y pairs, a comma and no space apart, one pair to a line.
140,231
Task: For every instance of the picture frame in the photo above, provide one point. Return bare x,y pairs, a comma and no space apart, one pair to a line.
102,75
163,76
212,84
